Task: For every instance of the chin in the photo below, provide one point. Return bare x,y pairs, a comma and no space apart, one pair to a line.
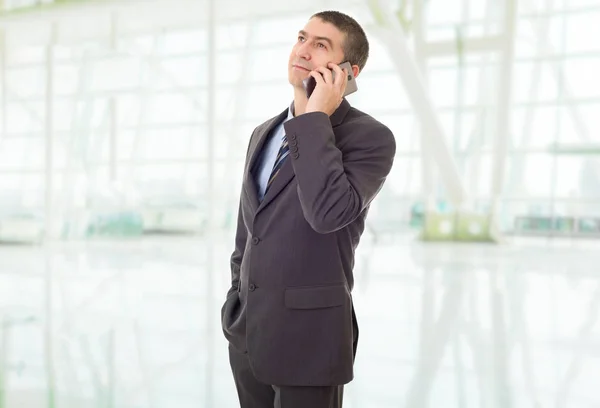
296,79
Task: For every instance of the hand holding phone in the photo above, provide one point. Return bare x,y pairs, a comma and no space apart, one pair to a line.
310,83
330,89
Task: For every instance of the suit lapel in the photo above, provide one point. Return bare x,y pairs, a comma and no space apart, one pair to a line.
256,146
286,173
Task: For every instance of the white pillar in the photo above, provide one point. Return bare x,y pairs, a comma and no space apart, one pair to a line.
427,161
49,331
4,82
113,140
504,103
113,108
4,338
49,133
392,35
210,197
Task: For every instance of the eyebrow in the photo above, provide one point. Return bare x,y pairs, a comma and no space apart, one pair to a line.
305,34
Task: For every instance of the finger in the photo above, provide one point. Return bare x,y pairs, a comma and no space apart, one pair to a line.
317,76
339,74
326,73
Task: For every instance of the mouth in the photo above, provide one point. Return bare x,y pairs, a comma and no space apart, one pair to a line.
298,67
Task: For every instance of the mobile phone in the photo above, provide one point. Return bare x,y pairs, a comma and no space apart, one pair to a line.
310,83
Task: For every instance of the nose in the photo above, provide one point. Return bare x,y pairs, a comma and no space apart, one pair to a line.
303,51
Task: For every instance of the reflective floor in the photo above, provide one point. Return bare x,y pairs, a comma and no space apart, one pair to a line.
136,324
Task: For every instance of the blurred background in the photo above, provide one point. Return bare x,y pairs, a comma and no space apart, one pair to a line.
124,127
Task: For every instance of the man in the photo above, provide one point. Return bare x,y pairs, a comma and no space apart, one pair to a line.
310,176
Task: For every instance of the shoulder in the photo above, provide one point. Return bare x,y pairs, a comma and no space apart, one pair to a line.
365,122
363,128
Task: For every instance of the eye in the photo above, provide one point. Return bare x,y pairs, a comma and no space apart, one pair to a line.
321,45
300,38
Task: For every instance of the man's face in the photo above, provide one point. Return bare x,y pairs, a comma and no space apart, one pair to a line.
318,44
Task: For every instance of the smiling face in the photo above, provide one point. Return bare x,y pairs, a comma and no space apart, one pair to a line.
318,44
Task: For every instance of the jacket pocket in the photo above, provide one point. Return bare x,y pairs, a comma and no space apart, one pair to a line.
315,297
231,313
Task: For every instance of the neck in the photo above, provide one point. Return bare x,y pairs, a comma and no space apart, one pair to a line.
300,101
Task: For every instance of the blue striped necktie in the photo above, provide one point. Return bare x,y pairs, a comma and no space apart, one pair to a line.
284,150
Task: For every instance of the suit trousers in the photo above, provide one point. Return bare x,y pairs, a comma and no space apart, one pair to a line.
254,394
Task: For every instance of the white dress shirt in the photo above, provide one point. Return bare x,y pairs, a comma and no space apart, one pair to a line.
269,154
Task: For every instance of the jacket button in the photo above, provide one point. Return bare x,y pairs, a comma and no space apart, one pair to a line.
295,155
251,287
255,240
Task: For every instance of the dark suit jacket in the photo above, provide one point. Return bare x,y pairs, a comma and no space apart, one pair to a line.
290,305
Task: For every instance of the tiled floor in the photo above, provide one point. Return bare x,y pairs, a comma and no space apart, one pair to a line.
136,324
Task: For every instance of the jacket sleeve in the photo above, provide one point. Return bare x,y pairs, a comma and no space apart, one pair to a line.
241,236
334,187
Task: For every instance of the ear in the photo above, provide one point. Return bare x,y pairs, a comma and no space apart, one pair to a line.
355,70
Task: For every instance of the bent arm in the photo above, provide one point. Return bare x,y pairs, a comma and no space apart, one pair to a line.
335,188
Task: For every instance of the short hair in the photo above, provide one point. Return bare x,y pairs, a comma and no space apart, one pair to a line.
356,44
